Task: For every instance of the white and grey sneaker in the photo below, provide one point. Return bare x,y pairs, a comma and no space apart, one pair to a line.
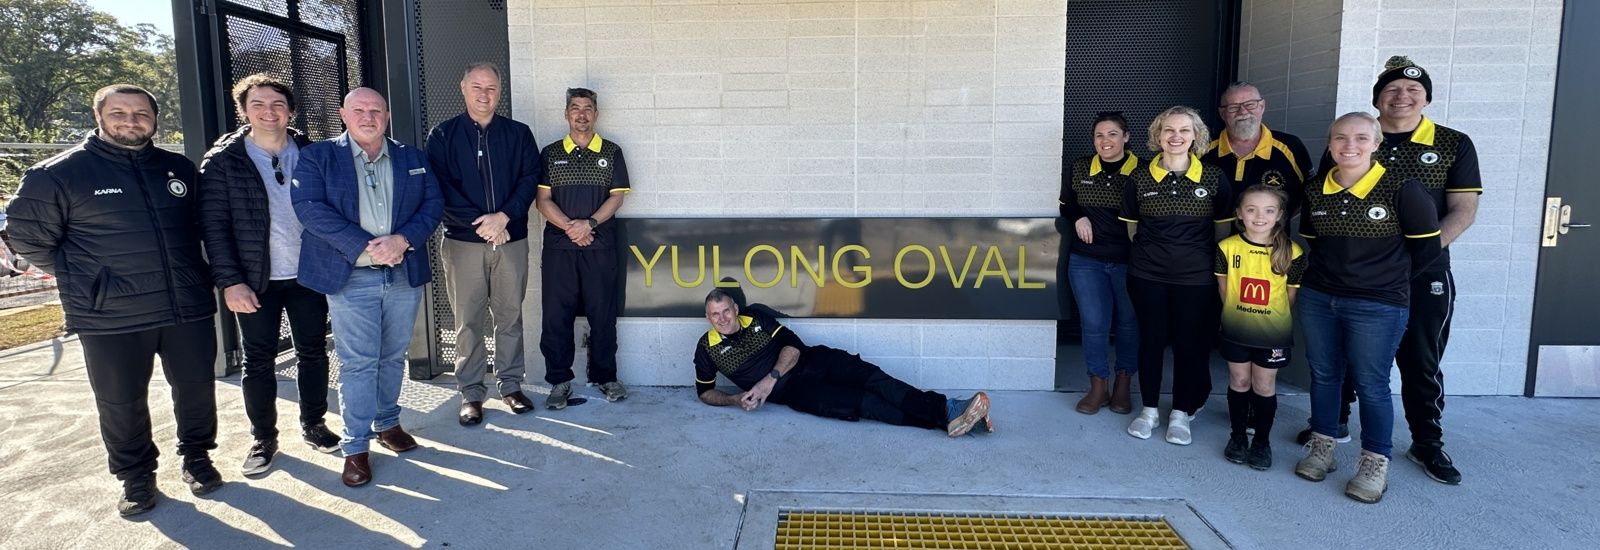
1178,427
559,394
259,460
1149,419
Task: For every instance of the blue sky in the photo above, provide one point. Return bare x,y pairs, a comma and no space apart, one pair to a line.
133,12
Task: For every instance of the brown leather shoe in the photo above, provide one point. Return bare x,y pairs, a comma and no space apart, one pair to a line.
471,413
518,402
1095,398
397,440
357,471
1121,400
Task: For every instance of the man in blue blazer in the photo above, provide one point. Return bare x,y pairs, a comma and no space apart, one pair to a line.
369,205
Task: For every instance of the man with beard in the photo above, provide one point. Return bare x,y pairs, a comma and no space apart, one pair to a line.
115,219
1253,154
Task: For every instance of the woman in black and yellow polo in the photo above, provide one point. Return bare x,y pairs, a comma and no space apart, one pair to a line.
1176,203
1091,199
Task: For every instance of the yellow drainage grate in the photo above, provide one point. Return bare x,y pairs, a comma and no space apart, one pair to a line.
808,529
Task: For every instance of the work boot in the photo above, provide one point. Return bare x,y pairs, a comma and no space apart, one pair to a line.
139,495
1319,459
559,394
963,414
201,475
1121,390
1095,398
1372,478
1148,419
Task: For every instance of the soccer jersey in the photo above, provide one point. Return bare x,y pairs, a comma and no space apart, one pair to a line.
1279,161
580,179
1255,312
1093,189
1359,236
1177,214
744,356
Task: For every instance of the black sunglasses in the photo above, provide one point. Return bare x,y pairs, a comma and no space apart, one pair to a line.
277,172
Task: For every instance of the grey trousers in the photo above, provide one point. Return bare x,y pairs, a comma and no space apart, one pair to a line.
486,286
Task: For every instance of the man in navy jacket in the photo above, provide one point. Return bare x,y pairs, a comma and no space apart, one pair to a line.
488,168
369,205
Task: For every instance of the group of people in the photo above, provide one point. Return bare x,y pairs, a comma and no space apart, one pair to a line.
1192,249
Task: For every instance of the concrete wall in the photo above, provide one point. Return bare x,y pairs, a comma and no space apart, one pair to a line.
811,109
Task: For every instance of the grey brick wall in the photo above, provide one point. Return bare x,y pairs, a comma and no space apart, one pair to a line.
1290,50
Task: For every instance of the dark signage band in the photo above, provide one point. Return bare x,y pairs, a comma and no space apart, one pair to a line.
864,268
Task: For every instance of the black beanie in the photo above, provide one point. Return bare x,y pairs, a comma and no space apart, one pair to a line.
1400,67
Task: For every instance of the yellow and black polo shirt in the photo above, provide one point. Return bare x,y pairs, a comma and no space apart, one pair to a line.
1176,213
743,357
1279,160
1367,240
580,179
1443,159
1256,312
1093,189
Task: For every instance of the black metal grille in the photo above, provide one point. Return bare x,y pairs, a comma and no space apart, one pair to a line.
1139,57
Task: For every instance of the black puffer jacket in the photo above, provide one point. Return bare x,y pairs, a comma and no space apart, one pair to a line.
234,212
120,231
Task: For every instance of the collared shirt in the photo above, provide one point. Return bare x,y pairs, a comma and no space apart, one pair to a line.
744,356
1443,159
580,179
1177,213
1280,160
1255,312
375,179
1093,189
1359,235
283,226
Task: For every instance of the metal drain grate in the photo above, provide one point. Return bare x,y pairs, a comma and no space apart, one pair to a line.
825,529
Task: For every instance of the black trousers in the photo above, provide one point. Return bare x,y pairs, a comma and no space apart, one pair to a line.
119,368
1185,318
1433,304
308,329
571,278
837,384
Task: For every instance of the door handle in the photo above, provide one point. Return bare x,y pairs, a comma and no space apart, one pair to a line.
1566,220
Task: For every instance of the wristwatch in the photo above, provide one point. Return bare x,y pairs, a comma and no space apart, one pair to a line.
592,224
774,374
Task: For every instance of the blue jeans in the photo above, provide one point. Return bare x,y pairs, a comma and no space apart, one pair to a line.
1101,290
1361,335
372,319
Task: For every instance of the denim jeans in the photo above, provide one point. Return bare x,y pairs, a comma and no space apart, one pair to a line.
372,319
1361,335
1101,290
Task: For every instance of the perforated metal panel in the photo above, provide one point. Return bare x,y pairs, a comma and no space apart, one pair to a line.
314,53
1141,57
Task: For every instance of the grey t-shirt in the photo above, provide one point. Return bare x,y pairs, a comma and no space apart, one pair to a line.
283,233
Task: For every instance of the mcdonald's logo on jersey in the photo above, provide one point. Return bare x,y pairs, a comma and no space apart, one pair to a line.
1255,291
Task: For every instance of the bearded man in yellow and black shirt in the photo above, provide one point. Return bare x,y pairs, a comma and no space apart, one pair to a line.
770,363
1253,154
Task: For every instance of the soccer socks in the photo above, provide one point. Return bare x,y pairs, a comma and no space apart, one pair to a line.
1239,411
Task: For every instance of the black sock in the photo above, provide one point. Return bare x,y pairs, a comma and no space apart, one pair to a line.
1238,410
1266,407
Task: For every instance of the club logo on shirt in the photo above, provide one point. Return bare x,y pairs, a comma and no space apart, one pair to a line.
1272,178
1429,157
1411,72
1201,192
1254,291
1436,288
603,163
177,187
1378,213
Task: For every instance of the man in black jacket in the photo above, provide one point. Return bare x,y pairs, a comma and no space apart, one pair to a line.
115,220
488,168
253,241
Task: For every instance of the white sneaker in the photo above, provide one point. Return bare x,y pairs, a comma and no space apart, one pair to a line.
1149,419
1178,427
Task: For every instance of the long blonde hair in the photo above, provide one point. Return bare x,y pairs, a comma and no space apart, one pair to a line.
1282,247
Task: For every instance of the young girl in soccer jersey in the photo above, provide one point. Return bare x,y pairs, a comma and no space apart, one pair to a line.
1257,271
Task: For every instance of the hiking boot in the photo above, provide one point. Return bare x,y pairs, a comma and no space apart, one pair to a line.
1096,398
1305,435
320,438
963,414
1149,419
1436,463
259,459
1238,449
614,391
1121,390
1260,455
201,475
1178,427
1319,458
559,394
1372,478
139,495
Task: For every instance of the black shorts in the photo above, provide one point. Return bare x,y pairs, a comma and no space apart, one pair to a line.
1274,358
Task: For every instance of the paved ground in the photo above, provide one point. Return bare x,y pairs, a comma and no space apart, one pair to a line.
663,471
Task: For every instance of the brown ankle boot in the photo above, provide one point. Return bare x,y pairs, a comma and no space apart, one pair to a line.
1121,401
1096,396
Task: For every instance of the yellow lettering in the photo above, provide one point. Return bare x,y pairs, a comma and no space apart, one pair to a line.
950,270
798,259
716,270
751,276
864,270
898,273
650,264
1005,275
1022,270
700,270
